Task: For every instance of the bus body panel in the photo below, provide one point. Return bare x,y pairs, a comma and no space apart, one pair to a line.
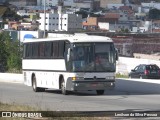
51,80
44,64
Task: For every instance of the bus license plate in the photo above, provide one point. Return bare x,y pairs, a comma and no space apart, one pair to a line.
94,84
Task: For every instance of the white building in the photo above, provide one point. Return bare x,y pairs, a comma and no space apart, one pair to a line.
147,6
54,2
103,25
48,2
23,3
114,6
52,22
24,13
61,22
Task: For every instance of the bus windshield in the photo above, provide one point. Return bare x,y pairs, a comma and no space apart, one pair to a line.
93,57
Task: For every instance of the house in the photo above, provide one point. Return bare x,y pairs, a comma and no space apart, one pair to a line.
95,23
55,2
91,23
90,4
119,16
114,6
14,25
156,26
127,10
120,26
115,21
23,3
104,3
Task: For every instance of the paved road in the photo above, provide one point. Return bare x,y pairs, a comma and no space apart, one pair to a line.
128,95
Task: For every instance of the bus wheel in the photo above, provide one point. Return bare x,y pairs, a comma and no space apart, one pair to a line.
63,88
100,92
34,85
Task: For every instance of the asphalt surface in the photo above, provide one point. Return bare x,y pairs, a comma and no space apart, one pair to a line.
127,95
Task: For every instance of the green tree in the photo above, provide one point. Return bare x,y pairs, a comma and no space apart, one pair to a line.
10,54
3,49
154,14
14,59
83,13
123,30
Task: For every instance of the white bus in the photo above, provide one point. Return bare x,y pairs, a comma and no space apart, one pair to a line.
73,63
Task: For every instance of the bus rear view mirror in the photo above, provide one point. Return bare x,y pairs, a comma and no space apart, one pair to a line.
116,54
69,53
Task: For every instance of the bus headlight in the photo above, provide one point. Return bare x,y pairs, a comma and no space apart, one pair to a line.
77,78
110,77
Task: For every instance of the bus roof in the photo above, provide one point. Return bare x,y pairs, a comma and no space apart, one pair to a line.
73,38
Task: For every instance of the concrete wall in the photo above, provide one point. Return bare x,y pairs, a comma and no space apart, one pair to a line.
10,77
124,64
145,56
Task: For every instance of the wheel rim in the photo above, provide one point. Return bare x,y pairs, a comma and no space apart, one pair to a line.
34,85
63,87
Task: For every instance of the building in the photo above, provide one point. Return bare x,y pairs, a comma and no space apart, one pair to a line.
22,3
90,4
54,2
48,2
60,22
104,3
91,23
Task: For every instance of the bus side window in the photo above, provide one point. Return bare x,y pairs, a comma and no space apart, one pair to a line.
24,51
28,50
35,50
61,49
41,49
55,50
48,47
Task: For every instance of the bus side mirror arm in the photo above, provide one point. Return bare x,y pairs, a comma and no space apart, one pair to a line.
69,53
116,54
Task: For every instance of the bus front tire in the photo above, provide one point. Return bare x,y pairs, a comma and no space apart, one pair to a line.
34,86
100,92
63,88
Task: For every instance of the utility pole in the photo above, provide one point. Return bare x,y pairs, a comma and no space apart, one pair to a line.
60,7
44,35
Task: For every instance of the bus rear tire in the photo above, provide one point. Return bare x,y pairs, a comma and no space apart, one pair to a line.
100,92
34,86
63,88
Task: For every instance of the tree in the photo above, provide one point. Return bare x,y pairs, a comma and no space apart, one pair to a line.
154,14
10,54
14,59
83,13
3,50
123,30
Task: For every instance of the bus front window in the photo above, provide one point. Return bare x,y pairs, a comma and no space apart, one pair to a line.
93,57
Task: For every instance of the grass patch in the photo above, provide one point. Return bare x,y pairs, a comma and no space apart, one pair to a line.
14,107
20,108
118,75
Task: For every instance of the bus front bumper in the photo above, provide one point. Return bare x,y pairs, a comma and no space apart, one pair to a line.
93,85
